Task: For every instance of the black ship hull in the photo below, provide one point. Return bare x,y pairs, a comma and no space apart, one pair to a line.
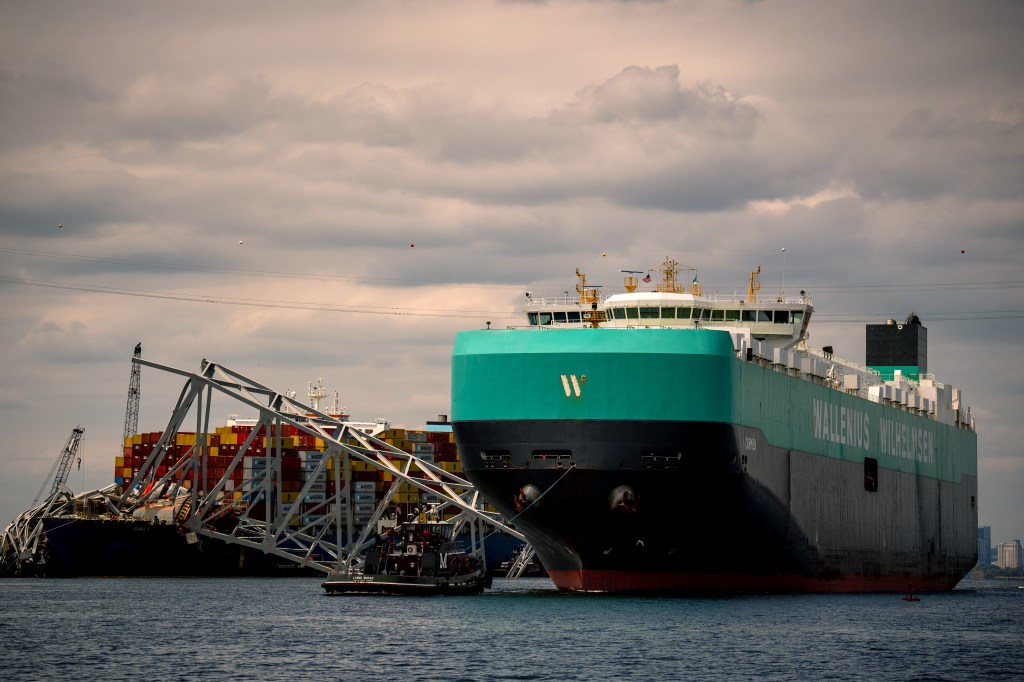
80,547
608,506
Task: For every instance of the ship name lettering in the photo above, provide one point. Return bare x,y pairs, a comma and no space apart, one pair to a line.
841,424
905,441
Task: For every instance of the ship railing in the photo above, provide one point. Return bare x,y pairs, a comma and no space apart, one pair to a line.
737,297
558,302
849,364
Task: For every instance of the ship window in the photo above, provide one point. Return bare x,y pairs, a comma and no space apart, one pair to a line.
749,315
573,315
488,455
683,313
732,315
532,317
798,316
648,313
871,474
631,313
668,313
764,316
781,317
560,316
701,313
716,315
544,318
619,313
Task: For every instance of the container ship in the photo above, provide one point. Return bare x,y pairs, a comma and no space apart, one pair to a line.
96,540
669,440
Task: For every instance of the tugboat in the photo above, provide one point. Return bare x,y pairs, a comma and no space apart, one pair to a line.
414,558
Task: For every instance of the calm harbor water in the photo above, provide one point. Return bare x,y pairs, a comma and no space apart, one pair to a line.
287,629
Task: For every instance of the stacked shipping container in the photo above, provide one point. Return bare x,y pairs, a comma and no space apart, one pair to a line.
300,456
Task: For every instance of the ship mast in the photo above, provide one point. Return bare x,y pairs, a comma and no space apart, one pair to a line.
670,270
754,286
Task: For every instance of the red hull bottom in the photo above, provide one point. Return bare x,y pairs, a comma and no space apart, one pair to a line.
636,581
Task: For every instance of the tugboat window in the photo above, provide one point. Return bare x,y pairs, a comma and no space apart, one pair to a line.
532,317
574,316
632,313
649,313
781,317
619,313
559,317
544,318
668,313
683,313
732,315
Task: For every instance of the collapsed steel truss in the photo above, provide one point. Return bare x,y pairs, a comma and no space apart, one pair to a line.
21,546
316,530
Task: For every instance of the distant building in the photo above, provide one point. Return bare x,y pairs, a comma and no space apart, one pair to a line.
985,545
1008,555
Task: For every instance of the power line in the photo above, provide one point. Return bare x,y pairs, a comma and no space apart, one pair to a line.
813,288
444,312
260,303
244,271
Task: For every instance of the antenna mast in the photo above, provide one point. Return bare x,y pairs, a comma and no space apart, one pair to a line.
131,414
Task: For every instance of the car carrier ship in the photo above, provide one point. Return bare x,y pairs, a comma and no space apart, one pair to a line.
673,440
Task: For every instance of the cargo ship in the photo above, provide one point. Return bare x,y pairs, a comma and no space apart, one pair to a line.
96,539
670,440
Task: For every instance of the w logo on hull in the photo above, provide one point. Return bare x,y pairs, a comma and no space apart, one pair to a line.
575,384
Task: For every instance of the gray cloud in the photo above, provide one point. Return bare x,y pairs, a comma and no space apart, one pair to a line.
511,143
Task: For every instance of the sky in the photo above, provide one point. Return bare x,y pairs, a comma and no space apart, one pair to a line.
323,189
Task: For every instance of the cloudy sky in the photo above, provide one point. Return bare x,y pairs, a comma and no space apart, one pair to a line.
304,190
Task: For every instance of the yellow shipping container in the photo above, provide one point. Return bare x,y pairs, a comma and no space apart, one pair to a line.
229,439
237,495
127,472
119,462
288,498
137,439
127,441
